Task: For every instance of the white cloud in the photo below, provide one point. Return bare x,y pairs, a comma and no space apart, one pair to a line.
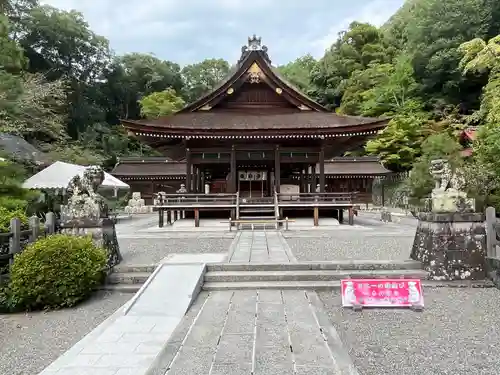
191,30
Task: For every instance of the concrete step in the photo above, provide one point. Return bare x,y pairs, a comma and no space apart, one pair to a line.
329,285
123,268
122,288
315,275
128,277
304,266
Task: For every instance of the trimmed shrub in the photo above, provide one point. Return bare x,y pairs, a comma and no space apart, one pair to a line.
56,271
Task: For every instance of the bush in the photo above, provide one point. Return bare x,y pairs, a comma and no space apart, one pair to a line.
7,214
56,271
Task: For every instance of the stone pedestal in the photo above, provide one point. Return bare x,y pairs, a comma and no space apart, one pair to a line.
103,234
451,200
451,246
136,205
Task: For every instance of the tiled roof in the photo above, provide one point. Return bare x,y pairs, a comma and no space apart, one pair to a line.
250,121
337,166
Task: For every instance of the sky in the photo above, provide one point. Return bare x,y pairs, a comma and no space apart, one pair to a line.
189,31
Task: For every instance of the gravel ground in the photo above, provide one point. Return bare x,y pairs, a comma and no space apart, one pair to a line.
369,239
458,333
30,342
152,250
357,245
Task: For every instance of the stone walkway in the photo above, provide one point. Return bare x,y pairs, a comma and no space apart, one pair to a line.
260,332
260,247
257,332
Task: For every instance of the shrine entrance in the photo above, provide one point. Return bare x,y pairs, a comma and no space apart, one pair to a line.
254,184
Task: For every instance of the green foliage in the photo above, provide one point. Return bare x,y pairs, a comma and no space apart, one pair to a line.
9,212
298,72
13,197
161,103
202,77
399,144
57,271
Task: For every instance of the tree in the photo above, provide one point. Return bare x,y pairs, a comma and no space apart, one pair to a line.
203,77
134,76
398,145
32,107
298,72
480,57
159,104
360,46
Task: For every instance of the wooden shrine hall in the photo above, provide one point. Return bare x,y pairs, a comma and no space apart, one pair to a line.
257,138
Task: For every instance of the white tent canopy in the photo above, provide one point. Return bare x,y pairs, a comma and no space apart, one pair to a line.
59,175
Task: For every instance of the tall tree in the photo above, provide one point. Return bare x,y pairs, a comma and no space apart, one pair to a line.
298,72
203,77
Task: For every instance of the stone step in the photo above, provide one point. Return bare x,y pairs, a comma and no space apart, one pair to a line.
128,277
330,285
122,288
123,268
310,275
304,266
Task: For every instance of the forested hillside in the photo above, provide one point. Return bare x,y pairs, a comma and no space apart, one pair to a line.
434,68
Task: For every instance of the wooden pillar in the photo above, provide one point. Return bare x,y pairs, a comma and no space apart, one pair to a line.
188,171
313,178
169,217
233,173
316,216
301,183
161,218
277,168
202,181
196,217
322,170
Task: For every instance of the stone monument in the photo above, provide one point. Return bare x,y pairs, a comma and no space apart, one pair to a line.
86,213
136,205
450,239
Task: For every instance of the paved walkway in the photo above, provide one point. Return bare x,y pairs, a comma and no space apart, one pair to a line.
260,332
260,247
256,332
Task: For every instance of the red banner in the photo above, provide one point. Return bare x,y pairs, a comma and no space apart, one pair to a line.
382,292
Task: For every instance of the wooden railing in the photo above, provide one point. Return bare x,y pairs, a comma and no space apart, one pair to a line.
198,199
311,198
14,241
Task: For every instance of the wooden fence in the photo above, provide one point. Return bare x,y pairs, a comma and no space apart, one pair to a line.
14,241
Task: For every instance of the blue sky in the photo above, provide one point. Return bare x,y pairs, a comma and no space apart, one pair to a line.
189,31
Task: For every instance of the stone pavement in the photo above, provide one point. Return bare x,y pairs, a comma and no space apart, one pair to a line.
130,340
260,247
260,332
268,332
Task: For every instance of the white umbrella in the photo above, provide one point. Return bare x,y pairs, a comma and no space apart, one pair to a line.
59,175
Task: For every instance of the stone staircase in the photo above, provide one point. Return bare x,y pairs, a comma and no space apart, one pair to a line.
128,278
311,275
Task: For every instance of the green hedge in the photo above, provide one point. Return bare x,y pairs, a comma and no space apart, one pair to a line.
54,272
6,214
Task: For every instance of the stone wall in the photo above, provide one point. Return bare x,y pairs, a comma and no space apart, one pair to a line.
451,246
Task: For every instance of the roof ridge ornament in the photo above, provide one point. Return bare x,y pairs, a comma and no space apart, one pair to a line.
254,44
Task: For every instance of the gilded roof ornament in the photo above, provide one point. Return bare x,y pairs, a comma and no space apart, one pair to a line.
254,44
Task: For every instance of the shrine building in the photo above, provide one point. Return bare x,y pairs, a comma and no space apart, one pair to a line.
255,135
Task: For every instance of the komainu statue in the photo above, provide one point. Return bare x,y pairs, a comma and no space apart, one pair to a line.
86,213
448,194
83,199
445,178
